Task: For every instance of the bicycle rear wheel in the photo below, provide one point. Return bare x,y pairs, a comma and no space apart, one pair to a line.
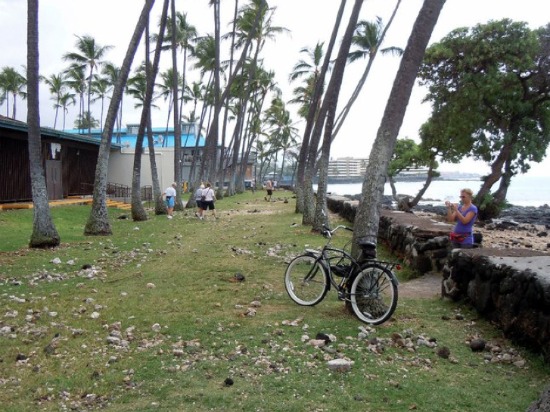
306,280
373,294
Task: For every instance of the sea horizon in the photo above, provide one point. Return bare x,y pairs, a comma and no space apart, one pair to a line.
524,190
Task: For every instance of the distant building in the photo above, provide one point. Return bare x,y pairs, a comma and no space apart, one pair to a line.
121,162
347,168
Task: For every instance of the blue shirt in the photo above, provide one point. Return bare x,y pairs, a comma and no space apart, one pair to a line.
466,229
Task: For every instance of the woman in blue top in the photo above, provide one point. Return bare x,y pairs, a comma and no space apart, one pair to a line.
465,215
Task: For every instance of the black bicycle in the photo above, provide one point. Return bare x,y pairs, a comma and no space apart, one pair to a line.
367,285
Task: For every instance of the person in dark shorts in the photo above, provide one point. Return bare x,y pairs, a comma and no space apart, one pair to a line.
209,198
269,189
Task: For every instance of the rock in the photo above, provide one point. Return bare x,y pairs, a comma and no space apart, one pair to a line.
542,404
156,327
477,345
443,352
228,382
340,365
56,261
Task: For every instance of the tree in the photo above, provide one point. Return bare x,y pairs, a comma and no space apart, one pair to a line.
66,100
44,233
12,84
57,86
89,54
368,38
98,221
490,89
368,215
76,80
101,86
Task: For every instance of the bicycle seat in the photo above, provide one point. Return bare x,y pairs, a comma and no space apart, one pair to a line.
368,248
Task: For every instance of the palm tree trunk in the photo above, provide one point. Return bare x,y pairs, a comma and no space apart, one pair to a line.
98,221
329,106
177,121
368,214
44,233
304,190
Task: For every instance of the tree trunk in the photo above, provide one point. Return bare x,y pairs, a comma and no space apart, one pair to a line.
303,189
44,234
177,120
368,214
98,221
138,211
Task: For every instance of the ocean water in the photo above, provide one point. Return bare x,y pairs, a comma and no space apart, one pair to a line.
524,190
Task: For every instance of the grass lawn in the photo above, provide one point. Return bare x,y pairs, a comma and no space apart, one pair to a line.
152,318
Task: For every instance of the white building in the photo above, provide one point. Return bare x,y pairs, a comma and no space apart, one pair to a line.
347,168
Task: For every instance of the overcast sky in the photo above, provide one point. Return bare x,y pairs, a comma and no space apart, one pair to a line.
111,22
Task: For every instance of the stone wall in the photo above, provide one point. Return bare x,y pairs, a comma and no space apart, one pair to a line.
510,287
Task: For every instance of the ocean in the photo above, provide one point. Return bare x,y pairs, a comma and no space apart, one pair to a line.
524,190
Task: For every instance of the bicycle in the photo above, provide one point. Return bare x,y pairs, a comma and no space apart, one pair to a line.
367,285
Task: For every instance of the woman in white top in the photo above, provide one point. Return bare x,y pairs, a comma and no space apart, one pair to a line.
209,197
170,199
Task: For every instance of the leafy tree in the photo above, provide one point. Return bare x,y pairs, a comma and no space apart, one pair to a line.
101,86
368,215
490,90
13,84
408,154
44,233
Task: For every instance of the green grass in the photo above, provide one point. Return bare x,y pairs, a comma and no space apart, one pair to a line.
178,274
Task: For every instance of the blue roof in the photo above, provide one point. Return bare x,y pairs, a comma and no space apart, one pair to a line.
161,137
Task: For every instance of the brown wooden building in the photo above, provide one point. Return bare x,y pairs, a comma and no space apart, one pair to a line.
69,162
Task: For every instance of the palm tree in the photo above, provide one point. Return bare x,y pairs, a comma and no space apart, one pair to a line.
57,86
44,233
112,72
185,36
65,100
76,80
367,214
12,84
368,38
98,221
325,118
101,86
89,54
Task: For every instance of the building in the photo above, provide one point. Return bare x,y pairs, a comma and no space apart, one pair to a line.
121,162
347,168
69,162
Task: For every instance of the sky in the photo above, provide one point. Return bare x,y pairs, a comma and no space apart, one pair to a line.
111,22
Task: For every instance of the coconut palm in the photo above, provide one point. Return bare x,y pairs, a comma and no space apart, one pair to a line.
44,233
112,72
76,80
101,86
89,54
65,100
368,38
367,215
98,221
57,86
12,84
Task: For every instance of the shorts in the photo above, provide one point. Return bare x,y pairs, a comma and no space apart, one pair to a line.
170,201
269,192
199,203
208,205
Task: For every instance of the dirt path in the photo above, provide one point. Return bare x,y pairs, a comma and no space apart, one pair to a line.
425,287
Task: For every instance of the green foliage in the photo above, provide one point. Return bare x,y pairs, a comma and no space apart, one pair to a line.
180,275
489,87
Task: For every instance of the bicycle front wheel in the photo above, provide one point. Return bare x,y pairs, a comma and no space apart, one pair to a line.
373,294
306,280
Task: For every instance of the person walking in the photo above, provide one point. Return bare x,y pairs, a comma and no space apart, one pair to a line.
208,200
170,199
269,190
198,200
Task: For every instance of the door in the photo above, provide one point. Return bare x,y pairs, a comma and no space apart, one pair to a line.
54,182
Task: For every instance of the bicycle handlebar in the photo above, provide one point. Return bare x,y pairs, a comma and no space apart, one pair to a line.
329,232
